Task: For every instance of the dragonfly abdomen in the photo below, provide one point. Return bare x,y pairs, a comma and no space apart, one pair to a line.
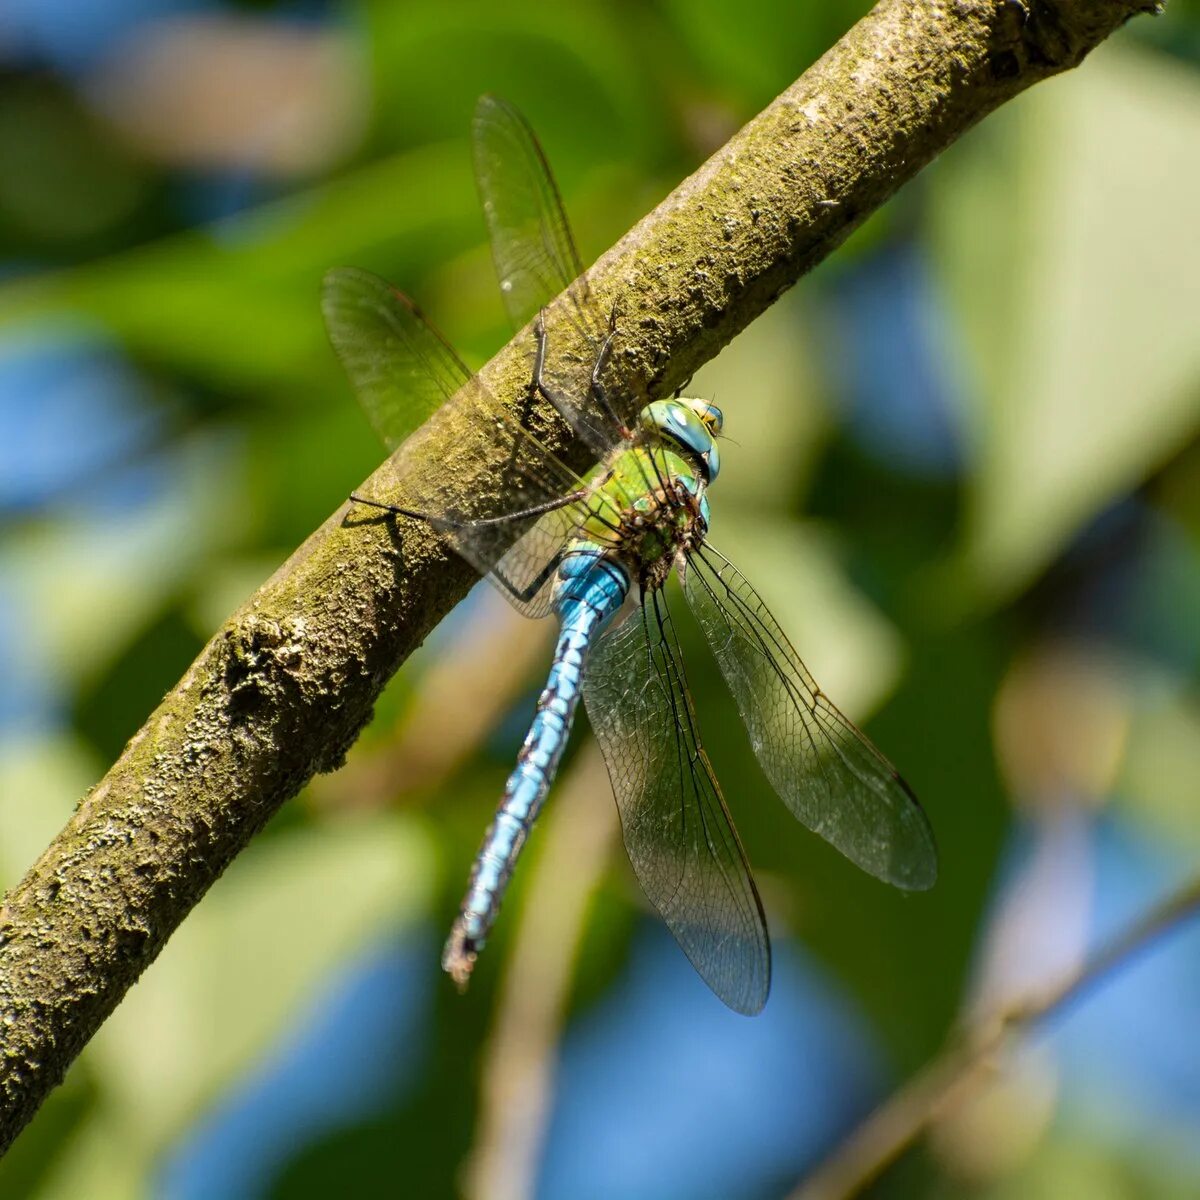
590,589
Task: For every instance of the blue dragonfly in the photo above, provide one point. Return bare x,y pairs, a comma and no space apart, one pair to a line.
597,550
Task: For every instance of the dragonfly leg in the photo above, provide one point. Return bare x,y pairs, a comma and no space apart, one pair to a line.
524,594
521,594
597,388
531,589
537,383
536,511
559,400
392,508
539,358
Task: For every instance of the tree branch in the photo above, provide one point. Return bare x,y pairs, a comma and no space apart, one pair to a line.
284,687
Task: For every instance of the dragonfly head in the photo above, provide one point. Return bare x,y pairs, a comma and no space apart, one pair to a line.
692,425
712,417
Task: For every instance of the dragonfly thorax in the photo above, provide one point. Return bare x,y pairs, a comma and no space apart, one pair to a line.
653,509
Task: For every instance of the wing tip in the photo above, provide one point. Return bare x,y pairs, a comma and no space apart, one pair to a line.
751,1007
338,283
923,881
916,872
492,102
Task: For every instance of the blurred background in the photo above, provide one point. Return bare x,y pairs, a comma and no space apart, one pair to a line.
964,470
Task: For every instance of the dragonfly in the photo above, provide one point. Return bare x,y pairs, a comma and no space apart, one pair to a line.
596,549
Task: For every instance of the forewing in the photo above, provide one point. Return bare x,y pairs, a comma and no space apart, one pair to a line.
403,370
532,246
824,769
536,261
677,831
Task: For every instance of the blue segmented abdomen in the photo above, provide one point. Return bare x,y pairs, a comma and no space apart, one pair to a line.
590,590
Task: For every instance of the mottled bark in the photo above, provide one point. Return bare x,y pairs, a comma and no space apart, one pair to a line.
285,686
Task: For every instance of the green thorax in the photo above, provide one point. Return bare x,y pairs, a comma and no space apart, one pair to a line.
648,504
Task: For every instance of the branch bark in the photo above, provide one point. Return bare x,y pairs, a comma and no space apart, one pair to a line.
284,687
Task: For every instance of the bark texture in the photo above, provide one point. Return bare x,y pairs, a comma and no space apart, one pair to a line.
284,687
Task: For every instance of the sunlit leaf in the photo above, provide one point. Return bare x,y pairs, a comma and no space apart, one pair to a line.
236,303
1068,230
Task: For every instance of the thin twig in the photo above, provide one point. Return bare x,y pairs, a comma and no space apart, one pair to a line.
896,1124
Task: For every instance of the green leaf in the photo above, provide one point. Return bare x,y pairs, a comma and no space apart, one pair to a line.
1066,233
236,304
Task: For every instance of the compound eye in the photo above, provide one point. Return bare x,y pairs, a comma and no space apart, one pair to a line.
676,423
712,416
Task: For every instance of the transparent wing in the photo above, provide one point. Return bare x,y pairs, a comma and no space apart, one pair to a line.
401,368
514,528
536,261
824,769
532,246
677,830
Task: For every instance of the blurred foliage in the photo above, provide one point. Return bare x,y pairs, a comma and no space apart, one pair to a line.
966,441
